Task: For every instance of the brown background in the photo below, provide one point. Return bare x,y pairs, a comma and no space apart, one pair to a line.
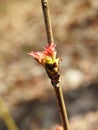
24,85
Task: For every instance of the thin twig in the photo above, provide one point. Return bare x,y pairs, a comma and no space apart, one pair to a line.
61,107
56,85
47,20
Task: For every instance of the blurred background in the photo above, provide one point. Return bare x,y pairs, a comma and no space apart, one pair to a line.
24,86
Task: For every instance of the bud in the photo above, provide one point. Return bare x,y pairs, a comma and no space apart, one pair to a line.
47,56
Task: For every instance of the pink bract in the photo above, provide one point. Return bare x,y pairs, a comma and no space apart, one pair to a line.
37,55
49,52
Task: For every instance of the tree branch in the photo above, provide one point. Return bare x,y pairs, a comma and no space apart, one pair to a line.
53,75
47,21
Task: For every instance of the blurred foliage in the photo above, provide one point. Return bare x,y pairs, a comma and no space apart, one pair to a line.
4,112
